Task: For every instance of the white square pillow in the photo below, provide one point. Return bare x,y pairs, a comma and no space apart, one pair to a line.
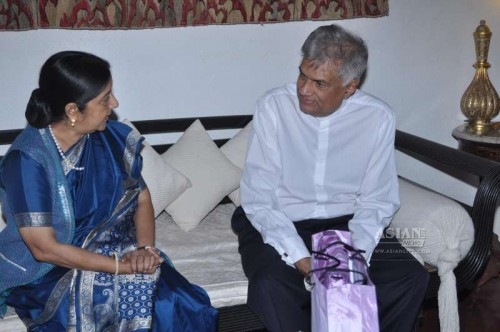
445,225
165,183
236,150
212,176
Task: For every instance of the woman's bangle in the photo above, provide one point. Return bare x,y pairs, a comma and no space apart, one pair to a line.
117,263
147,247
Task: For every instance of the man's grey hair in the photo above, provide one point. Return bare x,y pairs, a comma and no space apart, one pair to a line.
338,47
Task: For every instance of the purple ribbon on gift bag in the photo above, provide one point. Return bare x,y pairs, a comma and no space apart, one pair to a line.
343,296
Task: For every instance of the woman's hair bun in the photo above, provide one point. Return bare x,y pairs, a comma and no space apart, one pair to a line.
38,112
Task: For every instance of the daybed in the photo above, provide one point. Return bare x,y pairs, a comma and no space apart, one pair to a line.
194,184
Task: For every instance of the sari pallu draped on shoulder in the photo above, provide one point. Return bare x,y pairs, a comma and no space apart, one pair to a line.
16,261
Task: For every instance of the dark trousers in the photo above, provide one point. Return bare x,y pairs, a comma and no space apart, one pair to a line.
276,292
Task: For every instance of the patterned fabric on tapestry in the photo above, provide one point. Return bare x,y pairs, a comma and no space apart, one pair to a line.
126,14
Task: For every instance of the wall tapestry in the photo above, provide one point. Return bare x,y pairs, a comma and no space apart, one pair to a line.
135,14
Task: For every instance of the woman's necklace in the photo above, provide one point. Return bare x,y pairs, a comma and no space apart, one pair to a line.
61,152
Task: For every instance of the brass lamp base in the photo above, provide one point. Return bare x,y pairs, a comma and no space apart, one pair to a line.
484,129
480,102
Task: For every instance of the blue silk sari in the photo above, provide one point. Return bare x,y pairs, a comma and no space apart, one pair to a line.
103,175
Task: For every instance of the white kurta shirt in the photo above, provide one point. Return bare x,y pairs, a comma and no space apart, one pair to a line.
300,167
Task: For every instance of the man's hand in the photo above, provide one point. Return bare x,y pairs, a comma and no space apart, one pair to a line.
304,265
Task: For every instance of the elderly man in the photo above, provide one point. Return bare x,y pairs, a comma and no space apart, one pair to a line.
321,156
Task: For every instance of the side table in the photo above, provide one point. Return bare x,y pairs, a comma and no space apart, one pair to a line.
486,145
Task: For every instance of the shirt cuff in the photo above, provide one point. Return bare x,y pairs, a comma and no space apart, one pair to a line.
294,250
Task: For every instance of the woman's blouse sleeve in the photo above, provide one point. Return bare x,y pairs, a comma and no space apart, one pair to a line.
27,190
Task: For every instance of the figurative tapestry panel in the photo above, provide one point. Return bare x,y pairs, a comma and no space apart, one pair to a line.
136,14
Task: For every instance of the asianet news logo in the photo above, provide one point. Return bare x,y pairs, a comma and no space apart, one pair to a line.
409,237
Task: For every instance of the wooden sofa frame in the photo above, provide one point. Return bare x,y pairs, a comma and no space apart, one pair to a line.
459,164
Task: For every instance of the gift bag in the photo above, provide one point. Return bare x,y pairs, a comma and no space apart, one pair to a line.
343,297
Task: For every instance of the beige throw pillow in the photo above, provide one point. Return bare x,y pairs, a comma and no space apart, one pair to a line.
212,176
165,183
236,150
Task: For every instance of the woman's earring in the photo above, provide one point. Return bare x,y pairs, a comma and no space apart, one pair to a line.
73,122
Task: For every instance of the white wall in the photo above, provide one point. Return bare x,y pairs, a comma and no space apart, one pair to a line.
421,58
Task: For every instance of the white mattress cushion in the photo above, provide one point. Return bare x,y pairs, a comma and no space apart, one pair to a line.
207,255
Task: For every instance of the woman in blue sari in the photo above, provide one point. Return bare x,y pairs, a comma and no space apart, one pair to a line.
77,253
